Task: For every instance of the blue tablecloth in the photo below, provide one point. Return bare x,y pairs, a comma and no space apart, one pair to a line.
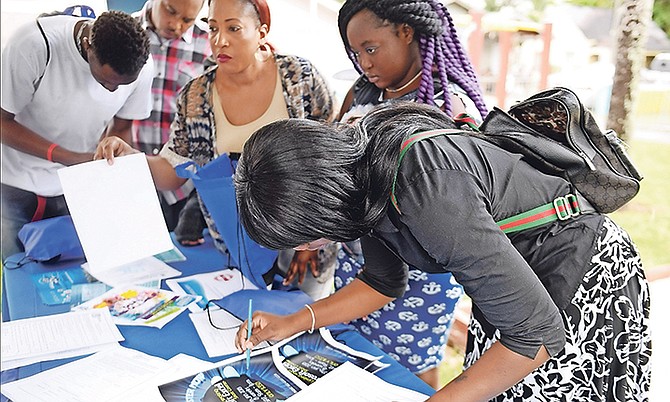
21,300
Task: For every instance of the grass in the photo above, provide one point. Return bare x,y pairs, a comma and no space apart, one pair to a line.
452,365
646,218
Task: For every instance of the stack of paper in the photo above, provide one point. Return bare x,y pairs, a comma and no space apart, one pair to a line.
59,336
134,273
104,376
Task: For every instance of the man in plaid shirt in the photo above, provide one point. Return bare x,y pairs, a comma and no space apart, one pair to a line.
179,47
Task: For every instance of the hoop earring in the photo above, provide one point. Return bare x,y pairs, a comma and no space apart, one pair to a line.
263,53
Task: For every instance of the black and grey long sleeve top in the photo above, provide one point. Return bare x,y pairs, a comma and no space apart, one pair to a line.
451,190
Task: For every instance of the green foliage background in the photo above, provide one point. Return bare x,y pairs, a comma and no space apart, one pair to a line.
660,15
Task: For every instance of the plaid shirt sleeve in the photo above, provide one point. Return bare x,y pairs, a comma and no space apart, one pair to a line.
176,62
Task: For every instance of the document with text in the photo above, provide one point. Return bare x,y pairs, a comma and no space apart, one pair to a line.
56,336
219,340
104,376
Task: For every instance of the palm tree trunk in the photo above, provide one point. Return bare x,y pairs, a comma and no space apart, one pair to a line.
631,18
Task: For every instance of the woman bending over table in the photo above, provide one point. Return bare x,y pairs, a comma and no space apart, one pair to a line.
560,311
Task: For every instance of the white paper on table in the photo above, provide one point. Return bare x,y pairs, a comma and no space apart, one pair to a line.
140,306
178,367
48,337
353,384
210,285
115,210
103,376
57,355
134,273
219,342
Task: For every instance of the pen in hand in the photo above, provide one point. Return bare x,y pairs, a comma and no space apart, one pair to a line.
249,333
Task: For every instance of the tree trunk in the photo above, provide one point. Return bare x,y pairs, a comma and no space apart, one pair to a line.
631,18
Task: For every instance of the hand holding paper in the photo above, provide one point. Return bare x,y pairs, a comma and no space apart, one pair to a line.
112,146
115,211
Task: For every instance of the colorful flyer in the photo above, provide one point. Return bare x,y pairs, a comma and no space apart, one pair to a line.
136,305
174,255
311,356
232,382
69,286
275,373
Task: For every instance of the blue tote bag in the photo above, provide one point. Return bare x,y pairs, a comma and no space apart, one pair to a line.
214,183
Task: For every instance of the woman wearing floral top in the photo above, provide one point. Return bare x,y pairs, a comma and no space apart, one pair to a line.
249,87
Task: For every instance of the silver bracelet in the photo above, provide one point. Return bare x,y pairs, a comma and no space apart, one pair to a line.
313,317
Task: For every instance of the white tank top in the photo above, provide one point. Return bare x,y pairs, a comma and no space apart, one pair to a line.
231,138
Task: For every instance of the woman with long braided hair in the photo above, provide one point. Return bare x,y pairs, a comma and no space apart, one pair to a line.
407,50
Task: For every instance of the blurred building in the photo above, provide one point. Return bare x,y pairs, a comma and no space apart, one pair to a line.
513,56
583,49
15,13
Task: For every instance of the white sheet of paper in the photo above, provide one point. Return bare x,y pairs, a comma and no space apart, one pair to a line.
219,342
103,376
178,367
6,365
47,337
134,273
353,384
210,285
115,210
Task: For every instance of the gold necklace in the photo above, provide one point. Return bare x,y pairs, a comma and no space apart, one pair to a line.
404,86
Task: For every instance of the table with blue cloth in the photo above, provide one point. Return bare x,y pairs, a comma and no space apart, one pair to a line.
20,299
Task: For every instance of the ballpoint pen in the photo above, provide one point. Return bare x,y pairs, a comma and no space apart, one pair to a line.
249,334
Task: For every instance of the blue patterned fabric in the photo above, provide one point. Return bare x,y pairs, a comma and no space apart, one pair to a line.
413,329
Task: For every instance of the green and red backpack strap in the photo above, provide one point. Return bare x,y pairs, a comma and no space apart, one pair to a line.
560,209
466,121
406,145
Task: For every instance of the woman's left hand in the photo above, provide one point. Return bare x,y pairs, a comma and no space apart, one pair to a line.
298,267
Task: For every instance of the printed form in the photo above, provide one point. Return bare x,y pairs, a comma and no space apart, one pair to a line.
104,376
56,336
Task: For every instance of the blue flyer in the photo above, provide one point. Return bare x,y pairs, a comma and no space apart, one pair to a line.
55,287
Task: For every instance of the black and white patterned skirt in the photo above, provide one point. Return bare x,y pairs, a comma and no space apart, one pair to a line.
607,356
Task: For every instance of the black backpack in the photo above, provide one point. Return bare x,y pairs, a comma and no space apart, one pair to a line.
557,135
75,11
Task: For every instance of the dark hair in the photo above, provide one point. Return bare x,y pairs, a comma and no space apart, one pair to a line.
120,41
438,42
262,10
299,180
